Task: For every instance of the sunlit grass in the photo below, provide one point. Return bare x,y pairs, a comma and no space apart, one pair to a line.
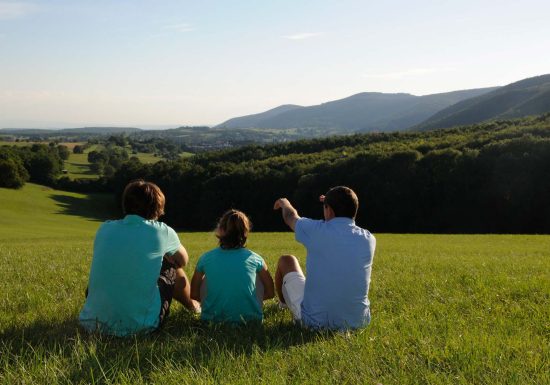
447,309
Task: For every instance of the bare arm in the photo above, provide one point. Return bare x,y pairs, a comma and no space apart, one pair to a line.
180,258
196,283
267,281
290,215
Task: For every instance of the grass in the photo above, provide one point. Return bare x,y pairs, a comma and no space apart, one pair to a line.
447,309
77,165
70,145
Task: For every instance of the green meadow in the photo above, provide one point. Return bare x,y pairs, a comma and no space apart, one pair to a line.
446,309
77,165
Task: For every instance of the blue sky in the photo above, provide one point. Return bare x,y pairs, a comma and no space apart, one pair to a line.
177,62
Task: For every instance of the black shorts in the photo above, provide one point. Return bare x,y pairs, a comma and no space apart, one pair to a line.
166,283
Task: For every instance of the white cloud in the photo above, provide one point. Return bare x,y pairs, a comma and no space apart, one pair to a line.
407,73
15,9
302,36
182,27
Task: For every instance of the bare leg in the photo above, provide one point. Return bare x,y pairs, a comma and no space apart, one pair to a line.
259,290
182,291
286,264
204,289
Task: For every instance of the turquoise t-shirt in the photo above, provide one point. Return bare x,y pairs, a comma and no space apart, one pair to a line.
123,296
231,285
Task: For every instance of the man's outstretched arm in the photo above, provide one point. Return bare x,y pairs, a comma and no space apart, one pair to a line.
290,215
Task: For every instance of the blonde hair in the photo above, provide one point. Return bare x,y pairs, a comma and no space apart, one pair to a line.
232,230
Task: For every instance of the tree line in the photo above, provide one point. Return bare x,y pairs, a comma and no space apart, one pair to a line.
486,178
38,163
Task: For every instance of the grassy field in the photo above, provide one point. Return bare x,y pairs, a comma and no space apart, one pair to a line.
77,165
447,309
70,145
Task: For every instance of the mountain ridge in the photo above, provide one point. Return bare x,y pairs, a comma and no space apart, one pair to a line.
361,112
525,97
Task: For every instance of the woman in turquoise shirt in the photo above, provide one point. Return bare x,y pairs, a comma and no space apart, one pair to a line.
137,268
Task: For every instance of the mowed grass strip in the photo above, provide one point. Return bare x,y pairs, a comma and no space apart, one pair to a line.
447,309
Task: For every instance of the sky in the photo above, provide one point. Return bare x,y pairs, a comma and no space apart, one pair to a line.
168,63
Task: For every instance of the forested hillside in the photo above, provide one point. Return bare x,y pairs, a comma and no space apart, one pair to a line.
526,97
492,177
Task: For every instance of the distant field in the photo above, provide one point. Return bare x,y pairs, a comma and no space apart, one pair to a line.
77,165
70,145
447,309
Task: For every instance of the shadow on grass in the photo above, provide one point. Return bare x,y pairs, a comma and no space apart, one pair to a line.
274,334
184,340
82,168
97,207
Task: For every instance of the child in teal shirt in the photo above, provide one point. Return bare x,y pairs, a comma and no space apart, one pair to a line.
231,281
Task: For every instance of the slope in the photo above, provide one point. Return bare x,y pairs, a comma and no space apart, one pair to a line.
40,212
526,97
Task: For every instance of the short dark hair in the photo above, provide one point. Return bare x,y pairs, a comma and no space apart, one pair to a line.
144,199
234,226
343,201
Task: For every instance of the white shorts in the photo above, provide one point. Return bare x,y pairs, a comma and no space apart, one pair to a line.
293,292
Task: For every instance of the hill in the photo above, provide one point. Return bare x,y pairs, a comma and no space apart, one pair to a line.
41,212
526,97
367,112
255,120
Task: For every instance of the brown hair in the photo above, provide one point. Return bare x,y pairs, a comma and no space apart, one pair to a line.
232,230
144,199
343,201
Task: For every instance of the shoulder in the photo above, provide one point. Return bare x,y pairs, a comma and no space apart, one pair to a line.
365,234
207,259
307,223
108,225
161,227
211,254
254,255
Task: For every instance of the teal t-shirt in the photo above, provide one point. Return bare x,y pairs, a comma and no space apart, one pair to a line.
230,285
123,296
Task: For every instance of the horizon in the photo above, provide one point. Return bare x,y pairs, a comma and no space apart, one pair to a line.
167,126
136,64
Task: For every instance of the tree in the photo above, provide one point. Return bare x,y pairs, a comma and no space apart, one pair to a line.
12,173
63,151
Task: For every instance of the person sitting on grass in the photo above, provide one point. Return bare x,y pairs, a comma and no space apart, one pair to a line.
338,262
232,281
137,268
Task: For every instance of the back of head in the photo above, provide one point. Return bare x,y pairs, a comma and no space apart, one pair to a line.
144,199
343,201
232,230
